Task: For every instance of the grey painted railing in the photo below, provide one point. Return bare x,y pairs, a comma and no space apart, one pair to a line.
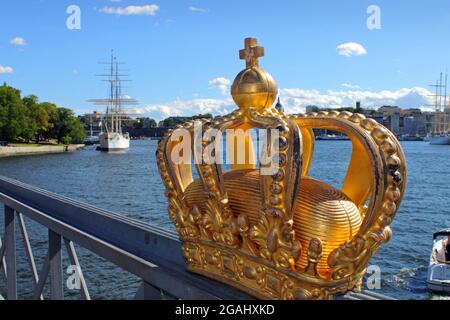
151,253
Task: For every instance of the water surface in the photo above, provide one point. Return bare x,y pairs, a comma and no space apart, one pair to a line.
129,184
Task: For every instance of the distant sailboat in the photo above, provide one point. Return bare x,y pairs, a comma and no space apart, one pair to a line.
91,139
112,138
440,134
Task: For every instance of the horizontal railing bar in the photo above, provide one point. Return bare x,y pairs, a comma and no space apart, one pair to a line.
126,242
97,221
94,209
89,207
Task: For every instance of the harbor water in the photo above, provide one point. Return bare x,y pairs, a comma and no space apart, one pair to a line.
129,184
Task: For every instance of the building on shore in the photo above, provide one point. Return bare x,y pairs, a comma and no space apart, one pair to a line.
402,122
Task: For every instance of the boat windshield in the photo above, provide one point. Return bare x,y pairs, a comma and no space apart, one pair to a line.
441,251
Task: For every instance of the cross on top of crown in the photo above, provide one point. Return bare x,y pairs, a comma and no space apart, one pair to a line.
251,53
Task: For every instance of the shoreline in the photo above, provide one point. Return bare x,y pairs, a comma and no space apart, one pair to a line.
6,152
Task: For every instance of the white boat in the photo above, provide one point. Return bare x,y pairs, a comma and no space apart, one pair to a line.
90,140
438,279
440,140
332,137
114,141
112,138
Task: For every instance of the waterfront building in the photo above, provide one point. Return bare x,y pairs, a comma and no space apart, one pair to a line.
402,122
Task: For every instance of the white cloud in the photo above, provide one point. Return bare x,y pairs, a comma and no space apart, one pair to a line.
148,10
222,84
6,70
18,41
197,9
351,86
187,108
295,100
350,49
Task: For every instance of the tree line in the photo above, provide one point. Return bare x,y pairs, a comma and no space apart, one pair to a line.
173,121
25,119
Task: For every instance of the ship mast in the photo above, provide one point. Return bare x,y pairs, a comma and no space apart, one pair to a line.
114,111
446,106
439,123
111,107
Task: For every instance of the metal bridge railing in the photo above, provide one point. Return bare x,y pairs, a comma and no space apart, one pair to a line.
152,254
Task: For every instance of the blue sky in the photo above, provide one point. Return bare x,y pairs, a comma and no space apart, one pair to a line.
175,53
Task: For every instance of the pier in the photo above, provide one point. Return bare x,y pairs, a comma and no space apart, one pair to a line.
150,253
12,151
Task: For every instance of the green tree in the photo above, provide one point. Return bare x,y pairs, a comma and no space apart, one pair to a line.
68,129
24,119
173,121
203,116
30,100
47,114
14,118
31,104
313,108
140,123
152,123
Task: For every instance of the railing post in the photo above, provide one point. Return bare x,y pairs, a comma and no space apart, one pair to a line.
56,274
10,253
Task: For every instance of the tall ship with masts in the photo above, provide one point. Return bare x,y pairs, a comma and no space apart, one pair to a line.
112,138
440,126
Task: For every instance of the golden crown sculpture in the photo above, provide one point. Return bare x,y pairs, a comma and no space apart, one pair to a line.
285,235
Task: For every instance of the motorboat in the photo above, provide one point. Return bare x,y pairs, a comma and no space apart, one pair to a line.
438,278
332,137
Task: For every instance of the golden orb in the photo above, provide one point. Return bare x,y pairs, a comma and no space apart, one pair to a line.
321,211
253,87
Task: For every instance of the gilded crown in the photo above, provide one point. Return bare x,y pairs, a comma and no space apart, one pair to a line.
266,227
